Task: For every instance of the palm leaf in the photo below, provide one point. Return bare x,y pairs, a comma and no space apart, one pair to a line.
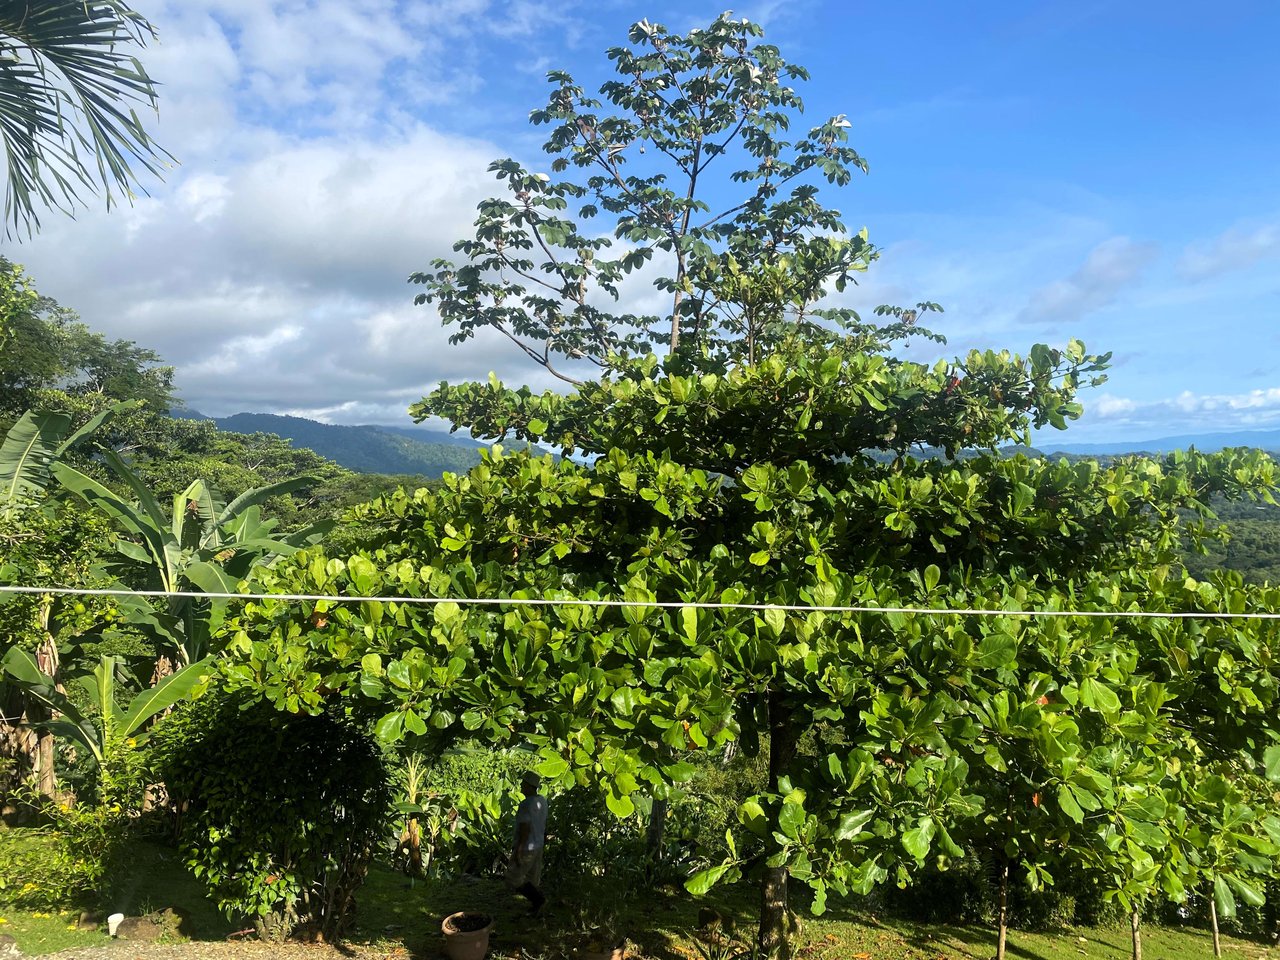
131,518
124,406
68,88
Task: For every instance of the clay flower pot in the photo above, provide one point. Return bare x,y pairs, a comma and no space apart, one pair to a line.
605,947
466,935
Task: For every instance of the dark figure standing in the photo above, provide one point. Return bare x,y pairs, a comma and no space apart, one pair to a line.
524,874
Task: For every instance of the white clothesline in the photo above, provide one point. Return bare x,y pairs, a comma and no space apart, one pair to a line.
662,604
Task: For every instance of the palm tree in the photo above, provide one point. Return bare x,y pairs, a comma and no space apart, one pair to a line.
68,91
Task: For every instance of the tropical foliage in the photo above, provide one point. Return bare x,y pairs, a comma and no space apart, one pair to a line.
781,611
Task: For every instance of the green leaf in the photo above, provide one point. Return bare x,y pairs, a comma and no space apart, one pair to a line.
931,577
391,727
553,767
29,448
1271,761
790,819
162,696
1251,895
1099,696
704,880
1068,805
918,839
620,806
851,824
1223,899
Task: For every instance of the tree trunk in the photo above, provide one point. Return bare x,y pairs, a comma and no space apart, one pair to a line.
17,742
46,776
655,833
1213,924
50,664
1136,933
1002,908
771,937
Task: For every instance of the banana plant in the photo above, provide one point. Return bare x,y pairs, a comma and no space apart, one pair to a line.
37,441
105,729
198,545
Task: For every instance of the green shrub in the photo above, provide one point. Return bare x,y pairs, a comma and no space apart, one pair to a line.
67,863
280,814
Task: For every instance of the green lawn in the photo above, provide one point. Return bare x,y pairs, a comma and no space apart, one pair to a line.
396,917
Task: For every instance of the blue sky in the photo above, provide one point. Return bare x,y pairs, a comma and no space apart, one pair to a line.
1109,171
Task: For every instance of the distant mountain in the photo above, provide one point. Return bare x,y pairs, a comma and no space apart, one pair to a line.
368,448
1204,442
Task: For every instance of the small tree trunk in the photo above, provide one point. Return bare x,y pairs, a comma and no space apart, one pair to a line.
18,742
1137,934
771,937
46,777
1213,924
49,663
655,833
1002,910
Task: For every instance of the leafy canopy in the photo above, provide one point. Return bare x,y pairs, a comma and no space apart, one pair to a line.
697,117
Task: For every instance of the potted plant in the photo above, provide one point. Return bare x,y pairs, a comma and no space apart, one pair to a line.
466,935
603,942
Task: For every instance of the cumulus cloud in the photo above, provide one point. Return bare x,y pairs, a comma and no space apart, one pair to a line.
1237,249
1110,268
1189,411
270,266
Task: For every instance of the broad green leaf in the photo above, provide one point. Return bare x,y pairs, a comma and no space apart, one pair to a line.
28,450
1223,899
790,819
620,806
704,880
162,696
851,824
1067,804
553,767
918,839
1271,761
1250,894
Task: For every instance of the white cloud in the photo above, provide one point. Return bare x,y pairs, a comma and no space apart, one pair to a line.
270,267
1107,271
1108,407
1187,411
1237,249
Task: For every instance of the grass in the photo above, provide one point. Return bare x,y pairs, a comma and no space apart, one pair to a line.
396,917
41,932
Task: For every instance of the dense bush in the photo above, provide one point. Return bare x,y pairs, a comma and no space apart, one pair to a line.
279,814
467,800
70,862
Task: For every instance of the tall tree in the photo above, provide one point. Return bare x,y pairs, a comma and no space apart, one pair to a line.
69,88
54,361
772,458
698,117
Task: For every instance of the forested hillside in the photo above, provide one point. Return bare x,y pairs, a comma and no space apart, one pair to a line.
366,448
52,361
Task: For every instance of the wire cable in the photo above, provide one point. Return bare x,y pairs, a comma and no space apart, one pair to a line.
661,604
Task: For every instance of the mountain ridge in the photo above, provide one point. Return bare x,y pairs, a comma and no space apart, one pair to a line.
365,448
392,448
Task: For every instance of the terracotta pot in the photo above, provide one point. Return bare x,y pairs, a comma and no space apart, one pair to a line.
466,944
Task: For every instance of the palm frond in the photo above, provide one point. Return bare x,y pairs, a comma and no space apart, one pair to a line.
68,92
